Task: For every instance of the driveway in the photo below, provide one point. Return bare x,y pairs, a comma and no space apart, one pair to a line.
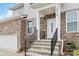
10,53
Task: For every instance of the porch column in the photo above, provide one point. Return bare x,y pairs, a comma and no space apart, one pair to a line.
58,17
38,24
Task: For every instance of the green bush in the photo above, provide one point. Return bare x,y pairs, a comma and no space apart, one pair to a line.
72,46
76,52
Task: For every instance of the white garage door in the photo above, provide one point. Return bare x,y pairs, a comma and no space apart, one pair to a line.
8,42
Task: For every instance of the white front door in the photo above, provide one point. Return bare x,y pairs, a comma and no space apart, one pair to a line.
51,27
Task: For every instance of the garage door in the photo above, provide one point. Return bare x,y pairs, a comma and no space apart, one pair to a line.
8,42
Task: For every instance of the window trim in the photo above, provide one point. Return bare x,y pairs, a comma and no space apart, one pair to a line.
76,21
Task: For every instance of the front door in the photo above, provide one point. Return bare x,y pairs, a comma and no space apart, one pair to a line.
51,27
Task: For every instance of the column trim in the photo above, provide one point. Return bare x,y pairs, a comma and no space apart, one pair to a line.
38,24
58,17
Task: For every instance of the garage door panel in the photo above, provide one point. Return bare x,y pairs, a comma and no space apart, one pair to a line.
8,41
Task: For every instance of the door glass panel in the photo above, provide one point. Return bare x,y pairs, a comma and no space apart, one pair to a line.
51,27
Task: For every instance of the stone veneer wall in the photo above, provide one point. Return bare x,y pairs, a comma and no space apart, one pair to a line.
14,27
43,28
23,33
68,37
43,25
9,27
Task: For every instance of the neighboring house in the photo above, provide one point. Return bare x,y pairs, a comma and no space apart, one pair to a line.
12,33
16,29
48,26
25,9
18,9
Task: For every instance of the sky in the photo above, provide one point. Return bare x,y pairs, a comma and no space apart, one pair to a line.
4,10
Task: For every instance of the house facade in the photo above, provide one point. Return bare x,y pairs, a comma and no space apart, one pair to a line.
12,34
20,9
44,22
63,17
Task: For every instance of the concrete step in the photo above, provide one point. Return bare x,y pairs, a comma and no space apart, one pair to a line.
56,53
41,47
35,54
57,49
47,41
42,43
45,52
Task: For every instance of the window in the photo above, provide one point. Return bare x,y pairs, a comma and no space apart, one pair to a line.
51,27
71,21
29,26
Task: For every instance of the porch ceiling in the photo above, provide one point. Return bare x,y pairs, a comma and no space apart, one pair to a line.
47,11
39,5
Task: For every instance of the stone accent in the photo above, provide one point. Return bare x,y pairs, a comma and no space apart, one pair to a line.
23,33
9,27
43,28
68,37
43,25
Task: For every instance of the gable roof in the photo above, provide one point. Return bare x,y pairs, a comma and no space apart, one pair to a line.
17,6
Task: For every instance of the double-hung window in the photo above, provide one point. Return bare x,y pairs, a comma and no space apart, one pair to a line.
71,21
29,26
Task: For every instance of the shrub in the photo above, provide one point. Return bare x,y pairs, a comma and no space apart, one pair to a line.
72,46
76,52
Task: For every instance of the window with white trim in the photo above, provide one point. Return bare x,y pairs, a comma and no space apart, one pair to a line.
71,21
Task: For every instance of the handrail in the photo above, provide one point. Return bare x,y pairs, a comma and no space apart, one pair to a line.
53,42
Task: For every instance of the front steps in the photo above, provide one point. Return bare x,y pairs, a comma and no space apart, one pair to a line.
57,49
42,48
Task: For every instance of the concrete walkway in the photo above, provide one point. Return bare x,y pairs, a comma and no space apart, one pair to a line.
10,53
